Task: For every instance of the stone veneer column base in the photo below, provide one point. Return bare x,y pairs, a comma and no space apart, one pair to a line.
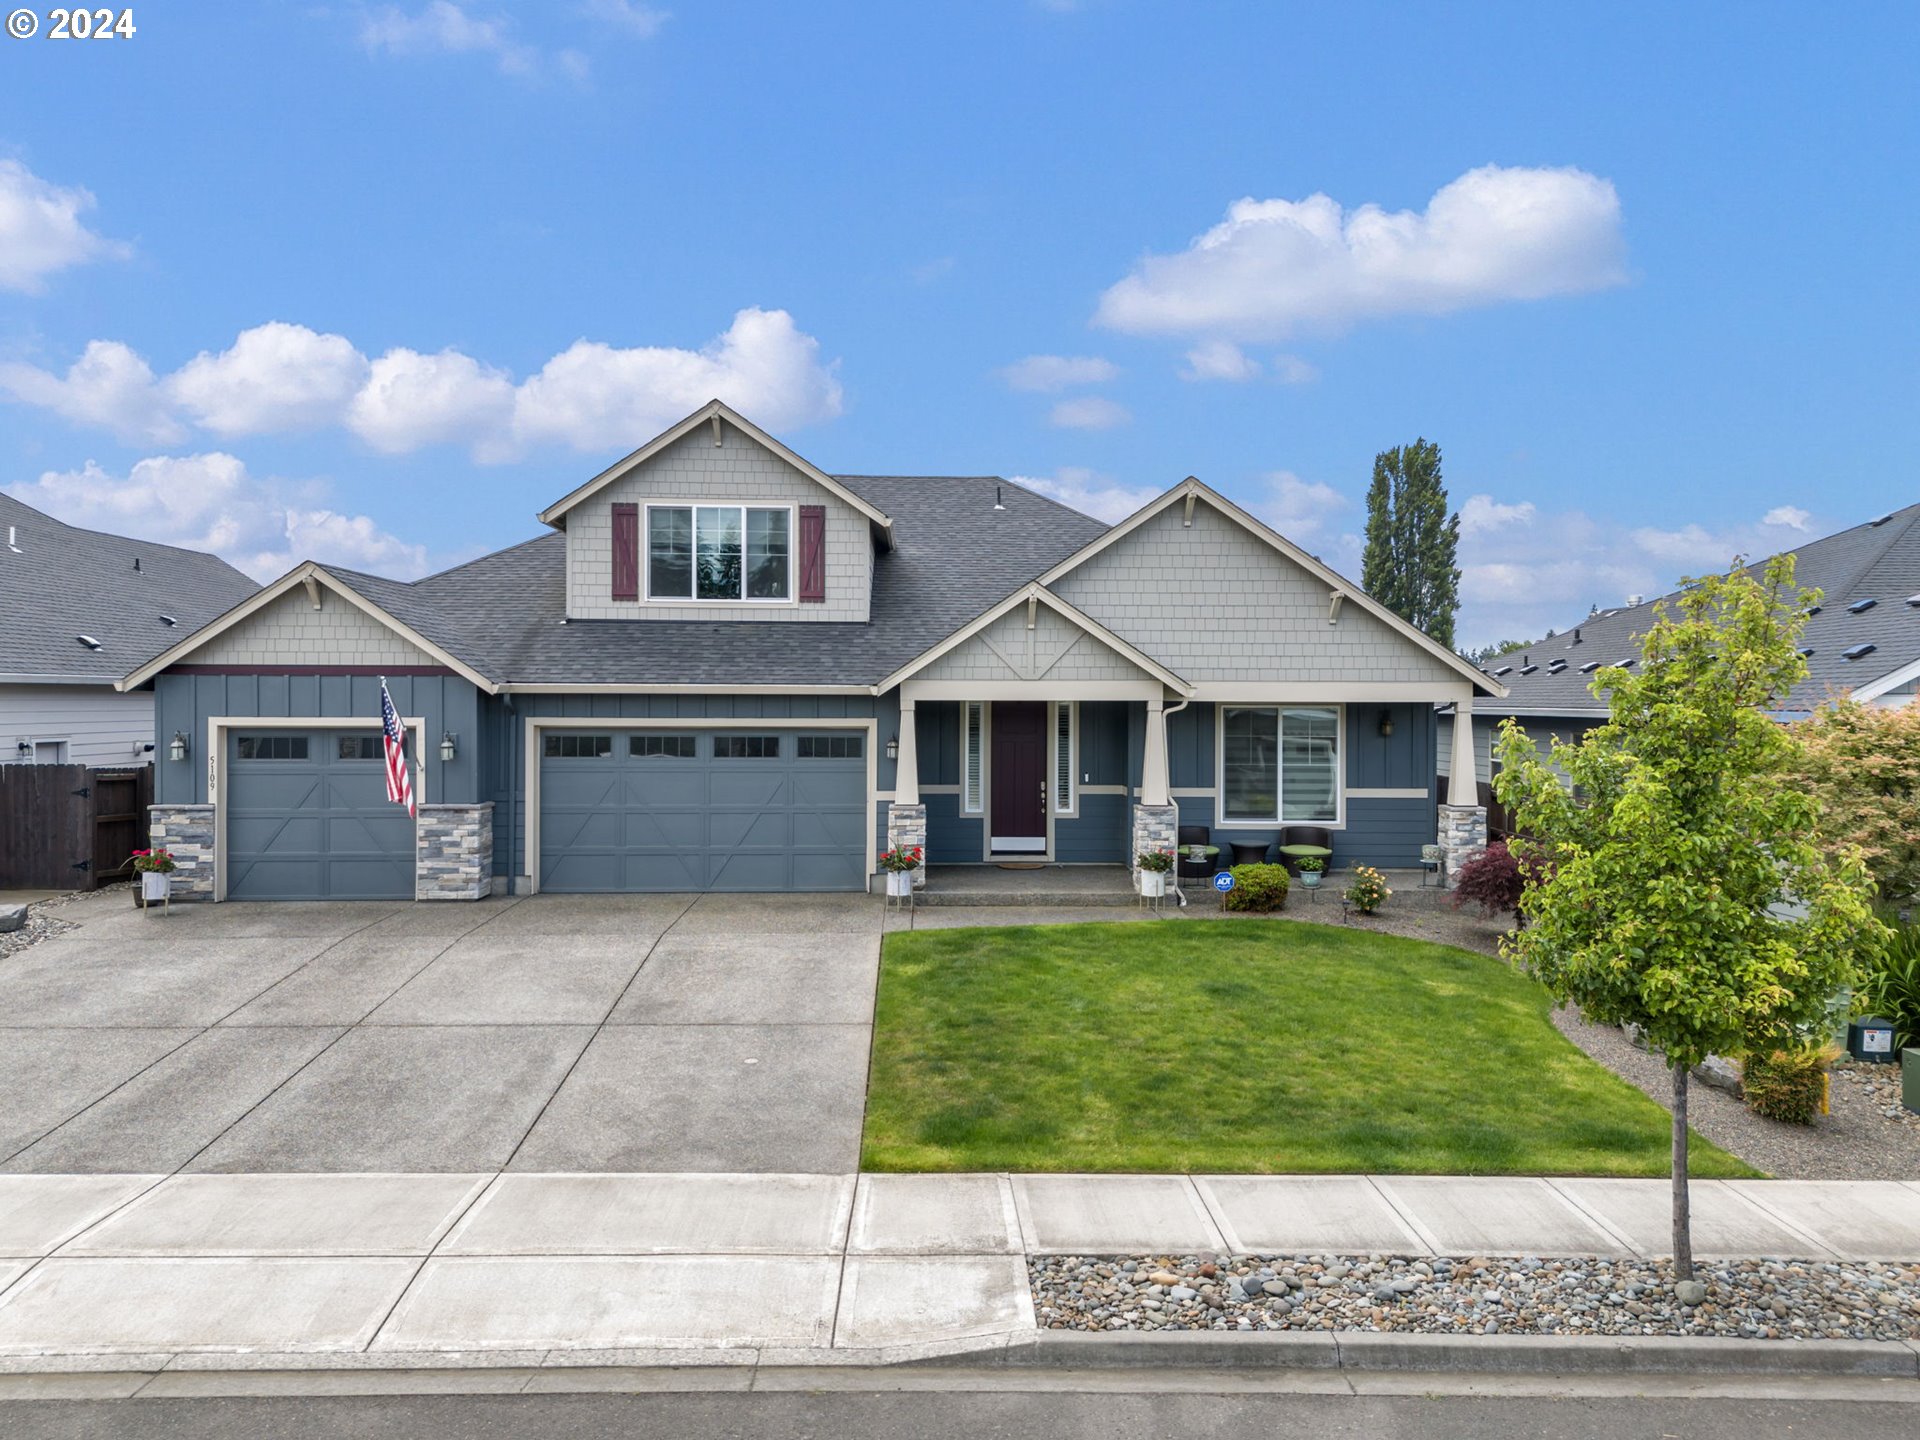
1463,837
907,825
187,832
1155,827
453,854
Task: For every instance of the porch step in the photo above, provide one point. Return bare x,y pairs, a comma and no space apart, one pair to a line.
1046,899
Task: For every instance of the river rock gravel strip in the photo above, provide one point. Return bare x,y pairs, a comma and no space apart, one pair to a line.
1746,1299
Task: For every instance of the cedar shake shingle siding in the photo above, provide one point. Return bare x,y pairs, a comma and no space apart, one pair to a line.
291,632
739,472
1055,649
1216,603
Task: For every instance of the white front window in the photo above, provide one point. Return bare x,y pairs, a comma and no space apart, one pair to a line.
1279,764
973,748
719,552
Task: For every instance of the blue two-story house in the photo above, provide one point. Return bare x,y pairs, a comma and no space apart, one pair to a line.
722,668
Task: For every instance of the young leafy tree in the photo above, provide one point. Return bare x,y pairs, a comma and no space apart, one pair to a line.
1685,890
1412,542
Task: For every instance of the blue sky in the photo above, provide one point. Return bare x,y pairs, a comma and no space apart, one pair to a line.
374,283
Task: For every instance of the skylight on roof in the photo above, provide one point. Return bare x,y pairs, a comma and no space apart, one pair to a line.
1504,670
1589,667
1856,652
1556,666
1914,601
1860,607
1813,610
88,641
1623,664
1876,524
168,621
1807,653
1528,669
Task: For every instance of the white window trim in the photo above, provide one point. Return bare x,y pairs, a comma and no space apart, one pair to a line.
793,550
974,804
1070,709
1220,822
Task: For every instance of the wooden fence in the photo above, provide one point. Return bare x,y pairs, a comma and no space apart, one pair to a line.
68,827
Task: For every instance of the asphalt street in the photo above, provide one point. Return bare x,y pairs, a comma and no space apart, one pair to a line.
974,1416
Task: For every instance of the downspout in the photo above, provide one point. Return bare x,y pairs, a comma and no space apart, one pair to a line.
1167,713
513,792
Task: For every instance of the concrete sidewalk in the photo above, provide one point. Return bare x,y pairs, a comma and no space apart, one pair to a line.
408,1270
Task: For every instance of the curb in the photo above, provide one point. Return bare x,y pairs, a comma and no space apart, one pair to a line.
1453,1354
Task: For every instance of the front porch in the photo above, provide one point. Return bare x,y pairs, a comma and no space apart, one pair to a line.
1072,887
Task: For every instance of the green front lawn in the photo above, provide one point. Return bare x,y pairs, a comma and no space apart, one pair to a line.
1236,1046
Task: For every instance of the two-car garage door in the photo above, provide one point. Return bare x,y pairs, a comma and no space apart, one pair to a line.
741,809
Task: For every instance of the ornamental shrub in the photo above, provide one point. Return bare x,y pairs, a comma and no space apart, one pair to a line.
1369,891
1258,888
1891,989
1491,880
1789,1084
1861,764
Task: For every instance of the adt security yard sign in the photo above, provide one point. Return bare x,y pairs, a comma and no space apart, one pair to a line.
1223,881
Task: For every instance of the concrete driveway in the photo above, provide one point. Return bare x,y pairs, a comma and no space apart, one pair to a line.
551,1033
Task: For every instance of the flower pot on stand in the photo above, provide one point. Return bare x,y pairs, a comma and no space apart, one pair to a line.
1153,883
899,883
155,885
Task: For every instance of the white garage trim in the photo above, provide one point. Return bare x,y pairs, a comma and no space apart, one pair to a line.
536,724
217,727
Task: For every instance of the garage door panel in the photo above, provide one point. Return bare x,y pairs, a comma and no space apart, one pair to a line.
828,829
747,789
305,822
737,810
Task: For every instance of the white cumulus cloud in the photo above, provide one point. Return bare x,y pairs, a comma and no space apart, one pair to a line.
274,378
1790,516
1299,509
1089,492
1219,360
41,232
595,397
412,400
109,386
1049,374
1089,412
1274,268
210,502
282,378
1483,513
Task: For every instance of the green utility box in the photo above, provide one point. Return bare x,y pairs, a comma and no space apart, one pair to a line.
1910,1078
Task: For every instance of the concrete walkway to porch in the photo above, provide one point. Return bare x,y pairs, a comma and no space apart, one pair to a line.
144,1272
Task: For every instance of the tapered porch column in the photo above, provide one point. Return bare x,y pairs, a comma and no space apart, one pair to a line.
1463,819
906,783
906,816
1154,786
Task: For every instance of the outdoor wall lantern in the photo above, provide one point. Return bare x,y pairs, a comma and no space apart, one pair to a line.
893,747
177,747
446,747
1386,724
23,747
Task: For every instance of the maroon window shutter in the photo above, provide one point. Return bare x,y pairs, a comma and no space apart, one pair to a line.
813,553
626,552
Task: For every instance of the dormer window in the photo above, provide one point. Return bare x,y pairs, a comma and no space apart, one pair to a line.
719,552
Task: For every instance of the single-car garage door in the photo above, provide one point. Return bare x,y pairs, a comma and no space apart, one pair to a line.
308,818
740,809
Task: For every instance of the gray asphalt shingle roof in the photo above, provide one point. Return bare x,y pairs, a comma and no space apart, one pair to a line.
65,582
1878,561
953,556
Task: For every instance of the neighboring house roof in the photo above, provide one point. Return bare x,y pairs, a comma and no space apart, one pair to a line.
59,582
714,413
1877,561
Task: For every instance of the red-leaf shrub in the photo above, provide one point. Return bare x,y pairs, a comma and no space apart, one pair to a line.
1494,880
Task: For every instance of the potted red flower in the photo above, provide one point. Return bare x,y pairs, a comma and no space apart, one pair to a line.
154,869
900,862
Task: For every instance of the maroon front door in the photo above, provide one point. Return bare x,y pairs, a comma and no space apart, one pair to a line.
1018,820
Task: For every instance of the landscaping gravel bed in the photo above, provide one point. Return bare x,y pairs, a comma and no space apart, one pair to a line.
1750,1299
1858,1141
40,926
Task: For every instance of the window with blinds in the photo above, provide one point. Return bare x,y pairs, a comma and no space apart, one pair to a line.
973,794
1065,761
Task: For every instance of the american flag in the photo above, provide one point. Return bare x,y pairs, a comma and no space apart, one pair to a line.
399,779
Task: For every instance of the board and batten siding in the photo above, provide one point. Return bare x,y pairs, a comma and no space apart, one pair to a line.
739,472
99,725
446,702
1053,649
1216,603
504,726
1543,731
291,631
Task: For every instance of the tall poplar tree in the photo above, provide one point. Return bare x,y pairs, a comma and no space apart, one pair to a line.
1412,542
